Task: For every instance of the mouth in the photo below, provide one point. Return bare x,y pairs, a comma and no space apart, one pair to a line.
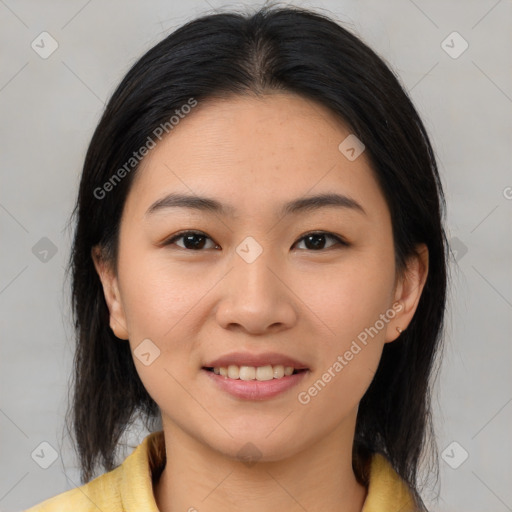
259,373
255,377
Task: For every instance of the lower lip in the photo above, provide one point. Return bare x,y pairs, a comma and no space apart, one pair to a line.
256,389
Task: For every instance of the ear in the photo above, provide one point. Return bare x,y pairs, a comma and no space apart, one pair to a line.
111,292
409,288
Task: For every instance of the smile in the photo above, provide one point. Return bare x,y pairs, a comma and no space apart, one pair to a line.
260,373
254,389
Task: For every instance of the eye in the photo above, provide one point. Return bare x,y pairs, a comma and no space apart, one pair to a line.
192,240
196,240
316,240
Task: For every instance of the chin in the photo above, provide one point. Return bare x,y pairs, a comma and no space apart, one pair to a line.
250,451
257,445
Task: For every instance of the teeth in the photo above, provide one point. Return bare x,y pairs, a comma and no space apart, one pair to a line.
288,370
233,372
261,373
278,371
264,373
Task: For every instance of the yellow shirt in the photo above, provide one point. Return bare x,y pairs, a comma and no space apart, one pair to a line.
129,487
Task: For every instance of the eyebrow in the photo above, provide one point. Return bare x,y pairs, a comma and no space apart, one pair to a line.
207,204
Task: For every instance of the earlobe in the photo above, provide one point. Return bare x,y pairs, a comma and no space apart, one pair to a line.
408,291
111,292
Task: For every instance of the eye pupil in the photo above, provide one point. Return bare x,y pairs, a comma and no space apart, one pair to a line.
196,245
314,242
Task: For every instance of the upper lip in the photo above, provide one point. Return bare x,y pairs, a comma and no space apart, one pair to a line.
248,359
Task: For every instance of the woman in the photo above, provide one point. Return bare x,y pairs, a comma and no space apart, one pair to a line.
259,264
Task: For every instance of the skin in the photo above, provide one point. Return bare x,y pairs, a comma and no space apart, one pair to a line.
196,305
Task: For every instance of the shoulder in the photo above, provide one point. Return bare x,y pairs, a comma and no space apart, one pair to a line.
102,493
387,492
127,487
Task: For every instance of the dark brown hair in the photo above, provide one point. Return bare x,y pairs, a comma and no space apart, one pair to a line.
286,49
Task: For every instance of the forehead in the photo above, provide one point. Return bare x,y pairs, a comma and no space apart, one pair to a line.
254,153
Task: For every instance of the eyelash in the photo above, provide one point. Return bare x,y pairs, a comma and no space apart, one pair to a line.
181,234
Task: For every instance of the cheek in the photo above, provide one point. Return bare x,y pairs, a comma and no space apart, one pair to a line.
349,354
163,316
351,298
337,389
162,309
157,297
354,306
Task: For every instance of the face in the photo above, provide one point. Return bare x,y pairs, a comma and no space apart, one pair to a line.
246,283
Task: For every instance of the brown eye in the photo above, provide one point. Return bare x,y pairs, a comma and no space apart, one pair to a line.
192,240
316,241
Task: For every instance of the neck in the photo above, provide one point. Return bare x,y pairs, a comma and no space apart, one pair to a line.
199,479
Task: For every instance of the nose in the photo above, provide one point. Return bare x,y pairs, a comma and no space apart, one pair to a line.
256,297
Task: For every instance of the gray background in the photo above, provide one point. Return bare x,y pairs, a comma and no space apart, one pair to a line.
48,110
